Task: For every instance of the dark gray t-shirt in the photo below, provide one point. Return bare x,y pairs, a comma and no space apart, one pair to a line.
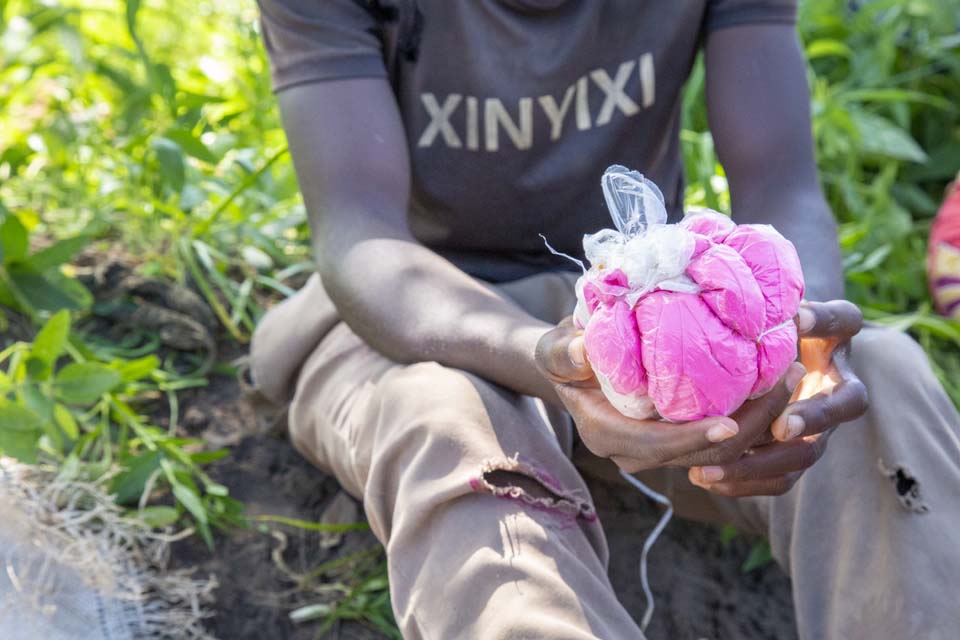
513,108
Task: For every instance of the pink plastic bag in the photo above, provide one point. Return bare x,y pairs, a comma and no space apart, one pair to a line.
685,320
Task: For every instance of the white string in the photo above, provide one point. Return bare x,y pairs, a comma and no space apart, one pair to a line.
579,263
648,543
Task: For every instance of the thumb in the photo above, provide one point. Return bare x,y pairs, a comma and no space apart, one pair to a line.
562,355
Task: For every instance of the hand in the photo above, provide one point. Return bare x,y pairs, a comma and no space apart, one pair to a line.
829,394
635,445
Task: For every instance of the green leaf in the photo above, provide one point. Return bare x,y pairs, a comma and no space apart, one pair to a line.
881,137
215,489
170,159
37,369
914,198
85,382
132,370
13,240
20,429
133,6
70,287
157,517
943,165
192,145
21,445
311,612
41,292
897,96
192,503
206,457
827,47
57,254
65,420
52,338
37,401
14,417
315,526
727,534
129,485
760,556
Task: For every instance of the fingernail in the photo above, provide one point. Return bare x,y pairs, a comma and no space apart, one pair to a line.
577,351
711,474
805,319
795,425
722,430
794,375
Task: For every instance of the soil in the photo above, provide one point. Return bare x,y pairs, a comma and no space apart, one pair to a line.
699,586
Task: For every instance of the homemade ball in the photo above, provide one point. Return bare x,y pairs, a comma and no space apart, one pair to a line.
688,320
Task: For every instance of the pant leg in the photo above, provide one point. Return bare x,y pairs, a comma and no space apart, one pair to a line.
866,560
872,553
489,529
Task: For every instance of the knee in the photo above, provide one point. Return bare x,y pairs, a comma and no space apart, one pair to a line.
457,415
886,353
429,399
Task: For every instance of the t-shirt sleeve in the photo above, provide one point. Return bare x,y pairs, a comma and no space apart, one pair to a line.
320,40
721,14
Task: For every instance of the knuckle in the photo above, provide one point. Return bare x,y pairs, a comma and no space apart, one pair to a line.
851,312
816,415
724,455
859,396
717,455
545,349
550,350
658,455
773,404
830,321
543,346
808,454
737,472
594,439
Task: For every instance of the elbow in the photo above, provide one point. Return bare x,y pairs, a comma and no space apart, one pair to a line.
359,295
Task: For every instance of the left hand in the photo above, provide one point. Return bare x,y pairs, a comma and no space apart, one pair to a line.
829,394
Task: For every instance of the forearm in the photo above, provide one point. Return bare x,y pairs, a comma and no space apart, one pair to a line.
759,109
806,220
414,306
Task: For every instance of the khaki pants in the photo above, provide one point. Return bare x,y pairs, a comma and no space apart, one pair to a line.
489,527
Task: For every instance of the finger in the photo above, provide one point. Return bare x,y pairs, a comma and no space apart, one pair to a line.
765,487
766,462
753,418
843,403
838,319
607,433
562,356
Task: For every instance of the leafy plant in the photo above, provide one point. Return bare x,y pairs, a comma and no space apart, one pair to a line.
60,405
31,281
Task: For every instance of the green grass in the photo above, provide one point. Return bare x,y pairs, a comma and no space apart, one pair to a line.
149,128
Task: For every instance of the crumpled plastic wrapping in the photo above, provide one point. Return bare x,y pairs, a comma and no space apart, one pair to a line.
687,320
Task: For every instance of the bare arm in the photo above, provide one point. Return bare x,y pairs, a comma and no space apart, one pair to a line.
350,153
759,110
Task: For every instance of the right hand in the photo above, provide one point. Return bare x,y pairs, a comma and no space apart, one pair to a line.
635,445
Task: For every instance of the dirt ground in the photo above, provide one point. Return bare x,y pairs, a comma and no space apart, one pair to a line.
700,589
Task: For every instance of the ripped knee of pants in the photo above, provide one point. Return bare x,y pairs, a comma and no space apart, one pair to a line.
513,479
